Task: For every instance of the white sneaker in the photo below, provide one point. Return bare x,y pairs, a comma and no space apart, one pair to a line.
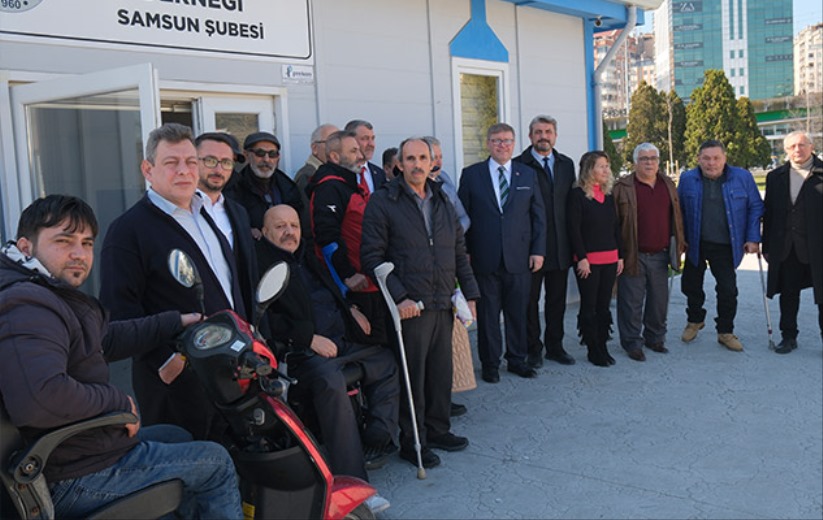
377,503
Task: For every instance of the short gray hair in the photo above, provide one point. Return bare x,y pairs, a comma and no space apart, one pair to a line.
171,133
498,128
354,124
795,134
432,140
315,136
410,139
334,142
644,147
548,120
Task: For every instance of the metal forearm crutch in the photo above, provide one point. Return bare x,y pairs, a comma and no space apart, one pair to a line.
381,273
765,303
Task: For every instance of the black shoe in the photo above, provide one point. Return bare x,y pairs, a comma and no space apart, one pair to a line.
637,354
457,410
657,347
427,456
448,442
523,371
491,375
560,356
535,360
786,346
376,456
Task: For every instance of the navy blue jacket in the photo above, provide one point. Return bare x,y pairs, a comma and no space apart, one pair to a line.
506,238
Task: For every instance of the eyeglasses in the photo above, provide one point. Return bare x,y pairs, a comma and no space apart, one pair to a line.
648,159
498,142
212,162
259,152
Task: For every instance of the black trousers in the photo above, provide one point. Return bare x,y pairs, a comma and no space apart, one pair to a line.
323,380
721,263
427,340
554,309
595,298
794,276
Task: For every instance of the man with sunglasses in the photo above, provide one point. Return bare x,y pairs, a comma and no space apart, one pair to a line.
261,185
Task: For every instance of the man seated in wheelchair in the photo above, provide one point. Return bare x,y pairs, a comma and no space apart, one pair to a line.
55,342
319,332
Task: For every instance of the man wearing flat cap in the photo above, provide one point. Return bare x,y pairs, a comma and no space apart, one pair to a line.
261,185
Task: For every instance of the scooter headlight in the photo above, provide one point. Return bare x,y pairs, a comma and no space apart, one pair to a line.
212,336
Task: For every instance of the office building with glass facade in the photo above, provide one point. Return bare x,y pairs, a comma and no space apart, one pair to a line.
751,40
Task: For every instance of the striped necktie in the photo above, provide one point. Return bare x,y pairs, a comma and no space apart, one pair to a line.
504,186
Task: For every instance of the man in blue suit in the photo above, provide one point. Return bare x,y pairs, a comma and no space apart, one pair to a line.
506,242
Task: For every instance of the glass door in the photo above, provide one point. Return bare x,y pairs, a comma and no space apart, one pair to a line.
239,116
84,136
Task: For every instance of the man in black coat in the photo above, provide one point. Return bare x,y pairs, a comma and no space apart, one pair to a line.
555,174
792,238
412,223
322,334
261,185
216,153
135,279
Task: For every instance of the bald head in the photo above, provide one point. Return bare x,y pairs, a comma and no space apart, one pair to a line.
281,227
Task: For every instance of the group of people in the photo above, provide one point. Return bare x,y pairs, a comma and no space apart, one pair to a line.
507,232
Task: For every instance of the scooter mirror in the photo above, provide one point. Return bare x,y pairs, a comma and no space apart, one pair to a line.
183,269
272,283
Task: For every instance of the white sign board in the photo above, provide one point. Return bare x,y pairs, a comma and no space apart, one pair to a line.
255,28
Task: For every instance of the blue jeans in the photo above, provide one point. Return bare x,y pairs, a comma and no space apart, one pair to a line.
210,488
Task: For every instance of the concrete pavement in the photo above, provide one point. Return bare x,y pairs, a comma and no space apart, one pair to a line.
700,432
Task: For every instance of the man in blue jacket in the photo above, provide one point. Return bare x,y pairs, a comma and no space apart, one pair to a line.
721,216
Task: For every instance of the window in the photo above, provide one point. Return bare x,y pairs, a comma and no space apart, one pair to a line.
482,89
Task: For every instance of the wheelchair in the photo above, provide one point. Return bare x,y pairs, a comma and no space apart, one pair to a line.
26,493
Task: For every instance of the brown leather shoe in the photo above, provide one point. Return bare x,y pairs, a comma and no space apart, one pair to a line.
637,355
657,347
730,341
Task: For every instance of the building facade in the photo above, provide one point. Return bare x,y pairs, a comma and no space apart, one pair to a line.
632,64
83,83
808,60
751,40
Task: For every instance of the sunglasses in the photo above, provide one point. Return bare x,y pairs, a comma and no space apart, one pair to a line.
259,152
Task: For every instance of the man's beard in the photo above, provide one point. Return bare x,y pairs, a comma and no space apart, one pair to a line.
261,174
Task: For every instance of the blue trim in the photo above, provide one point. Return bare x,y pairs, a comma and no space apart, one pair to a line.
476,40
612,15
588,56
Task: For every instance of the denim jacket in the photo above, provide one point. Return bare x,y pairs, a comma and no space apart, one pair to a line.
744,207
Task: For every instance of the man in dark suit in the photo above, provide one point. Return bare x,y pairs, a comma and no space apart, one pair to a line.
555,174
369,176
792,242
507,242
217,152
136,280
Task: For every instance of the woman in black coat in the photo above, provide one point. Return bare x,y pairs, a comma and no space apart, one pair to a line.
594,233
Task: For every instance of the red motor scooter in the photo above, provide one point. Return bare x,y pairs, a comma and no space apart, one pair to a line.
283,473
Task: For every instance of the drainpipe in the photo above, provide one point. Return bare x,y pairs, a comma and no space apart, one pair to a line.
631,22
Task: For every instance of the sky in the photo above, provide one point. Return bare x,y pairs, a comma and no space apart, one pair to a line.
806,13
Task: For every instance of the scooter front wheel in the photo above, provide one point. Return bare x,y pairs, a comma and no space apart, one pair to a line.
361,512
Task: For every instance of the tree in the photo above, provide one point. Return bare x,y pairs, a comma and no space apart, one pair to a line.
749,148
648,121
675,149
615,159
711,114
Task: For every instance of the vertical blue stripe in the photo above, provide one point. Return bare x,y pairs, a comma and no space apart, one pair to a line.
740,31
588,36
731,19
